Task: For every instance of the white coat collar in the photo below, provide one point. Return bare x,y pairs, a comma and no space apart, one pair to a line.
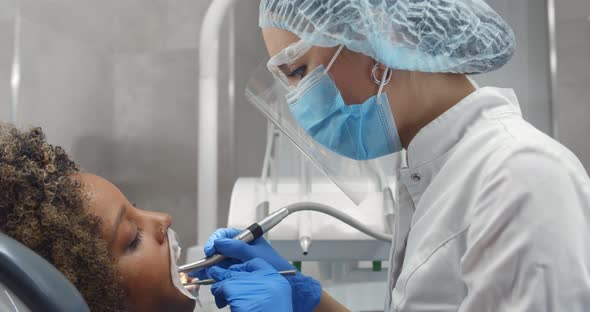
443,133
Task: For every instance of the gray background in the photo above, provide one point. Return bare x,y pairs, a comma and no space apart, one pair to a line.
115,83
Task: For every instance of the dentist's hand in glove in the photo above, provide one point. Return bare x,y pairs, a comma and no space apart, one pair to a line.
253,286
306,292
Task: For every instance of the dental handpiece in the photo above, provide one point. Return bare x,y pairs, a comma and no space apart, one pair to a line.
252,233
258,229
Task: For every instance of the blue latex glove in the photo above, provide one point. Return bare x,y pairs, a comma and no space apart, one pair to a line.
254,286
306,292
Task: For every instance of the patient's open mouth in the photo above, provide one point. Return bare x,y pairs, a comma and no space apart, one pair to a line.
183,278
178,279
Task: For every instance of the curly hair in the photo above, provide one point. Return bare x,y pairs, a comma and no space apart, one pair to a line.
44,208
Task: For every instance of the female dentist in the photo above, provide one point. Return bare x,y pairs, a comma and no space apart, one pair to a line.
493,214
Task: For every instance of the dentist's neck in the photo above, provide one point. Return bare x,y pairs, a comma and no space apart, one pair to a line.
417,99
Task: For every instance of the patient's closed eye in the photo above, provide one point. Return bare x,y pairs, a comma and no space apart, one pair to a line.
136,241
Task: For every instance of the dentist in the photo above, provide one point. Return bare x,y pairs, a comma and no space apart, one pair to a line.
493,214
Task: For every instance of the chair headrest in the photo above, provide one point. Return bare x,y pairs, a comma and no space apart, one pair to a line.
36,282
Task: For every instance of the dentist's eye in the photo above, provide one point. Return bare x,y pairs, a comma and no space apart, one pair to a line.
135,242
298,73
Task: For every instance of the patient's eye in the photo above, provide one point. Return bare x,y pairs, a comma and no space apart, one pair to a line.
136,241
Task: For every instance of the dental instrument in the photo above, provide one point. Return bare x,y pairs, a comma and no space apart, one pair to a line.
259,228
212,281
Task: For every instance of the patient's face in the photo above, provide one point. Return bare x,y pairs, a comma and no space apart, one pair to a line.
139,244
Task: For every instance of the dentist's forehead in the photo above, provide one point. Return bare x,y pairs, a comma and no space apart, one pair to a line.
277,39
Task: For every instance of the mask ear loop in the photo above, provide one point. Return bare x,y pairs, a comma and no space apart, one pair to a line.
334,58
384,80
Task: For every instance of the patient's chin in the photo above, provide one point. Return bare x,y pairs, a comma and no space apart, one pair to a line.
177,303
183,303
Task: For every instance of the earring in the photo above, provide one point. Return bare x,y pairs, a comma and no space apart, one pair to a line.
376,79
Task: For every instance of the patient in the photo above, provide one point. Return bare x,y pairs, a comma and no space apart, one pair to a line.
115,254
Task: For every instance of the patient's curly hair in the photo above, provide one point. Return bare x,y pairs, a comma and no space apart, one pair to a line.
42,207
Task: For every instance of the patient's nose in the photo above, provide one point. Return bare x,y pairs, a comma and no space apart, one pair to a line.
162,222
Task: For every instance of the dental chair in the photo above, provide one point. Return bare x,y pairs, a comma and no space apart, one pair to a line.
30,283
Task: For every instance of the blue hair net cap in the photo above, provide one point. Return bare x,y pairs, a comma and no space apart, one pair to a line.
452,36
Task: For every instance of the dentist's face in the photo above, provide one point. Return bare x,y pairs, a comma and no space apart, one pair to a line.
351,71
139,245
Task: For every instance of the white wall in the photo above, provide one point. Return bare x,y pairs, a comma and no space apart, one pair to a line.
573,76
115,83
65,84
7,43
528,71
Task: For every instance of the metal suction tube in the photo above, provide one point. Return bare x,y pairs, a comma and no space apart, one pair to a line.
212,281
258,229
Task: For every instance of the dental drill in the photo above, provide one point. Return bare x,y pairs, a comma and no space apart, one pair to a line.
261,227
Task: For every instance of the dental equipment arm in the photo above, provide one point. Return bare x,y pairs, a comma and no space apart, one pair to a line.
258,229
338,215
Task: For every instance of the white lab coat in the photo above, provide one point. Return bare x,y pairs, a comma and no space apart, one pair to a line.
494,216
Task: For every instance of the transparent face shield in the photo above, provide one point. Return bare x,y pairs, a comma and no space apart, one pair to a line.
268,89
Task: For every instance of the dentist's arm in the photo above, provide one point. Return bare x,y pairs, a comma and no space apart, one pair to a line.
329,304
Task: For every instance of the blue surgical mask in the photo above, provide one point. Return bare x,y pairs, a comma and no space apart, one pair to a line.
359,131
